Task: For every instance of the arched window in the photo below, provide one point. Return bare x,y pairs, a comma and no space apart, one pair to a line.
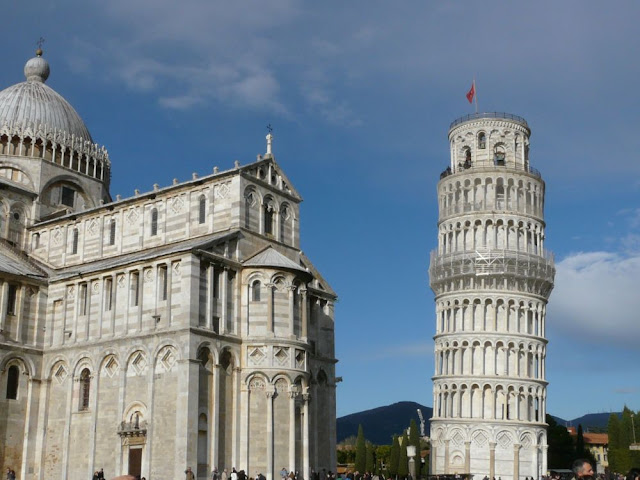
499,154
467,157
202,209
255,291
13,376
482,140
268,218
74,246
85,389
112,232
154,222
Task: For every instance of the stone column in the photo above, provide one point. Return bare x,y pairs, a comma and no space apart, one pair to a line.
235,422
543,456
305,436
270,393
446,456
516,461
224,298
492,460
292,431
210,297
26,453
305,313
43,417
214,428
4,298
270,291
21,293
467,457
433,457
168,281
292,292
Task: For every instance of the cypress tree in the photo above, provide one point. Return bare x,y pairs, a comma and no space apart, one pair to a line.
414,439
403,460
361,451
392,468
370,463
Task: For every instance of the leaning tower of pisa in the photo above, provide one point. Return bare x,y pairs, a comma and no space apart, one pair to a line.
492,277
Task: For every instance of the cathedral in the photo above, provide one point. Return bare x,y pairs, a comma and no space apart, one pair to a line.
181,327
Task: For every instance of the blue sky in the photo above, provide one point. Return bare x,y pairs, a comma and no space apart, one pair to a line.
360,95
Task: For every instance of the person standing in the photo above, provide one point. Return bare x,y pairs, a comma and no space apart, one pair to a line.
189,474
582,469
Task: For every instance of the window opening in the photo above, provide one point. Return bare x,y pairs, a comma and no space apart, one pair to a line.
108,292
74,245
83,299
268,219
112,232
255,291
67,196
85,387
162,278
11,300
135,287
482,140
13,377
154,222
202,209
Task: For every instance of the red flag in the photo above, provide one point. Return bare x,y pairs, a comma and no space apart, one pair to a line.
471,92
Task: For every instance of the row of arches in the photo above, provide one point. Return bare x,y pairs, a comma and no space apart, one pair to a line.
75,154
485,357
490,402
489,193
481,436
265,215
501,146
489,233
491,314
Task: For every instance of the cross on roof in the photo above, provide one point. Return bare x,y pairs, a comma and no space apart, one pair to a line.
40,42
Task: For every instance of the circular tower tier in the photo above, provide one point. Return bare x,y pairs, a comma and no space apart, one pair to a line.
492,278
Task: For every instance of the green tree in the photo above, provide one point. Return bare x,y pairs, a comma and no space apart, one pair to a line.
403,460
394,457
361,451
383,453
561,452
414,439
370,464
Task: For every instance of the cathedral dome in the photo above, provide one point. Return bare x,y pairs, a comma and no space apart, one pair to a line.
34,104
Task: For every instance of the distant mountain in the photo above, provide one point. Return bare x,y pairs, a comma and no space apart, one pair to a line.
381,423
590,421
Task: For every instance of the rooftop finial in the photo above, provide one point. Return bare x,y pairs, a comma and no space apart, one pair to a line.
269,138
37,68
39,44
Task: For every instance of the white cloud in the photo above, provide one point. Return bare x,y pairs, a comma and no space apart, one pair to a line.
596,297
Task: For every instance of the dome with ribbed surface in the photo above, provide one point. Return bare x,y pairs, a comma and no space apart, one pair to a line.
32,103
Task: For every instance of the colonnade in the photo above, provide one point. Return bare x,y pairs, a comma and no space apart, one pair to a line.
481,358
489,233
487,193
490,402
491,315
69,151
